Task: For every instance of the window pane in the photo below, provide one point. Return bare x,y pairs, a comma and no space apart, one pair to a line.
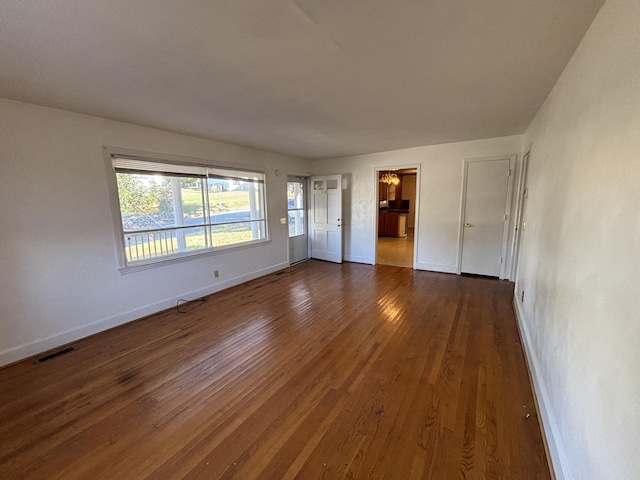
146,201
192,201
234,201
237,233
295,195
296,223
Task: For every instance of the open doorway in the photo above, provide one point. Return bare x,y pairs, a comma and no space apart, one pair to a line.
397,193
297,219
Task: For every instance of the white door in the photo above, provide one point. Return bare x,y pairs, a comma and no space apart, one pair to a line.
523,193
485,216
297,219
326,218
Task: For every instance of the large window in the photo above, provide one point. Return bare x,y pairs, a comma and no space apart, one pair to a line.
173,209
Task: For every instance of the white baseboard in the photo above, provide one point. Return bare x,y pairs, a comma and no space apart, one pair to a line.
548,423
358,259
434,267
26,350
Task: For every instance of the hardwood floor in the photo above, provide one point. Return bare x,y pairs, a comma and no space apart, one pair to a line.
319,371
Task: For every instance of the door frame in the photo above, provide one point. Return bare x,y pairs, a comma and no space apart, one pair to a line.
463,203
376,176
521,194
304,177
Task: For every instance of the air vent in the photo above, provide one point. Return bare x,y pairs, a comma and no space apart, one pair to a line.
56,354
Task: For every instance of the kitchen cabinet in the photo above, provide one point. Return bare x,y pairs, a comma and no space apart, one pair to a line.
392,224
389,192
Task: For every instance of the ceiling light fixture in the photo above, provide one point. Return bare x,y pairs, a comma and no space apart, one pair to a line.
390,178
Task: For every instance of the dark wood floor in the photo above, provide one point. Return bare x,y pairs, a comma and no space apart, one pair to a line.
319,371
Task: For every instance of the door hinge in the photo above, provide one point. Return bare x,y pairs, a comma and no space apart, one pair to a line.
505,217
509,173
501,260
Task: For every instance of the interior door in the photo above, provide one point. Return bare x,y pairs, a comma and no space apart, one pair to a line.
523,193
485,217
297,216
326,218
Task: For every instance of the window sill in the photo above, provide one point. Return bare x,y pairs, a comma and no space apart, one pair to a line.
187,256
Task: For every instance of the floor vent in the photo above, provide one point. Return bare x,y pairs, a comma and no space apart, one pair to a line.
55,354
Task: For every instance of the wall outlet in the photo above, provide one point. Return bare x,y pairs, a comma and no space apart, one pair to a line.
216,274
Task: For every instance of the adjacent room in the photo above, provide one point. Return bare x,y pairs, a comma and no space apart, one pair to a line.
300,239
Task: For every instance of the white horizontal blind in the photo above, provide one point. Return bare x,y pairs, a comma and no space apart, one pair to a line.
136,165
131,165
232,174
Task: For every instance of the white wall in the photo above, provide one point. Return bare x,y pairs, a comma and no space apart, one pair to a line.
581,253
58,275
439,196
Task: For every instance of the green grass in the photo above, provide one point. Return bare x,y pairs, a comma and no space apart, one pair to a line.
218,202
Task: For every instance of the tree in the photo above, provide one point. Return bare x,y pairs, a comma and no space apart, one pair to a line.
138,195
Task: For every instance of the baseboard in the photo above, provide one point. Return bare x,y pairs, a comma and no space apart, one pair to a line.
26,350
358,259
548,424
434,267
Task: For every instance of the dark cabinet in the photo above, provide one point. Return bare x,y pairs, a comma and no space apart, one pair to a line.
389,192
392,224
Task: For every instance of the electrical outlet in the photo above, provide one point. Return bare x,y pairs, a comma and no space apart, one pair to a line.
216,274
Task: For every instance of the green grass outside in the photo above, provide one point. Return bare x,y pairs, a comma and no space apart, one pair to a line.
218,202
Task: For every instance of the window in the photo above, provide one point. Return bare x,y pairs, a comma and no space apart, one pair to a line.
174,209
295,205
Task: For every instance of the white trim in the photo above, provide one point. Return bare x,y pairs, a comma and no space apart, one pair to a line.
436,267
359,259
187,256
548,425
304,179
25,350
463,201
517,220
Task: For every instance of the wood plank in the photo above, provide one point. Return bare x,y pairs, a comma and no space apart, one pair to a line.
319,371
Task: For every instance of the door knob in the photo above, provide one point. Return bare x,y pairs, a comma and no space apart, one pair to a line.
467,225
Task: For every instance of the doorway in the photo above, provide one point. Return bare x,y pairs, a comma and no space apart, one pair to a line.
297,219
396,209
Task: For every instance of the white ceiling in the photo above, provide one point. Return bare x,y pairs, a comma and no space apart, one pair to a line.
310,78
